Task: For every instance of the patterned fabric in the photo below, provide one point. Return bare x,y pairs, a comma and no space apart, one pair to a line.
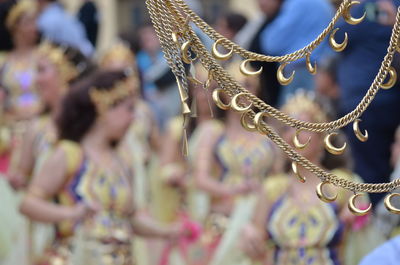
44,140
18,78
302,233
109,230
242,159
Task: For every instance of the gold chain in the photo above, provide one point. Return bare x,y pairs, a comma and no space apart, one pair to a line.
171,17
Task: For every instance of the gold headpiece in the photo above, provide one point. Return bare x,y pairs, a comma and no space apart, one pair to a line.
120,57
20,8
304,102
119,53
57,56
105,99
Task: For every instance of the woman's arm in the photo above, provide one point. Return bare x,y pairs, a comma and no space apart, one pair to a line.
145,226
254,234
45,185
203,168
171,161
22,159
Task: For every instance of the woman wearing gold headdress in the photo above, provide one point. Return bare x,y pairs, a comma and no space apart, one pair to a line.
230,164
84,188
173,194
143,131
141,141
17,74
57,69
291,225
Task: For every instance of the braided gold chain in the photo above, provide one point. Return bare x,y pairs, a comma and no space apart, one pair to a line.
165,12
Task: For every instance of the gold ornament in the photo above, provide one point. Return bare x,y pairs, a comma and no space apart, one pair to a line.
296,171
297,143
353,208
351,20
331,148
235,105
321,195
356,128
392,79
247,72
388,203
218,55
338,47
217,100
284,81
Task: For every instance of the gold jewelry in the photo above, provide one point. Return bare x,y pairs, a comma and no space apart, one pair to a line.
296,171
235,105
330,147
353,208
321,195
338,47
119,52
105,99
388,203
245,124
351,20
392,79
297,143
57,56
356,128
20,8
312,69
171,17
247,72
218,55
284,81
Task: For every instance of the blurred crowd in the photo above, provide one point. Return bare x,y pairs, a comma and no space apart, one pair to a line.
93,169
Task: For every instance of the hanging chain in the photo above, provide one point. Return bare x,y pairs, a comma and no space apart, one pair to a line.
170,16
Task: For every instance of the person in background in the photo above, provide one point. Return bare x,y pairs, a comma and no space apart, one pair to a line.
290,224
230,164
56,25
89,17
250,38
84,188
295,26
17,76
159,83
326,86
58,68
357,68
386,254
230,24
389,223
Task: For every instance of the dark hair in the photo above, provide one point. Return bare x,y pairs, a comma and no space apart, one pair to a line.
235,21
78,112
83,64
5,35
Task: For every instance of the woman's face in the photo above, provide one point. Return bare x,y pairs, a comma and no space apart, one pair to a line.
314,149
26,27
149,40
118,119
269,7
48,81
